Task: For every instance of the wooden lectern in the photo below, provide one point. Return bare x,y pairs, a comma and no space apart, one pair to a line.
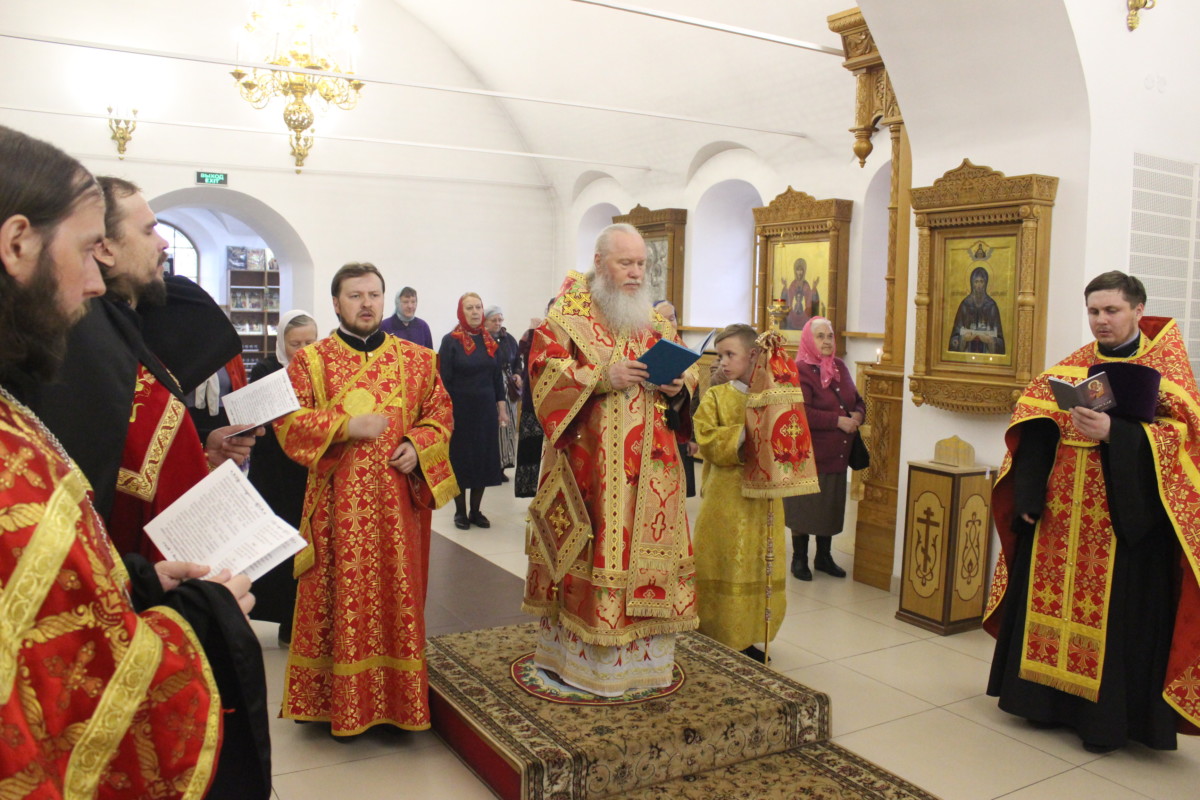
947,533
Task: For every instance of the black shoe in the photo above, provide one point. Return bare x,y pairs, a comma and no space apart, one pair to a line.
800,569
461,522
477,518
344,739
503,478
756,654
824,563
1099,749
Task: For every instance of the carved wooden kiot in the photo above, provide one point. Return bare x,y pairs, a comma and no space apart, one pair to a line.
972,201
798,217
669,223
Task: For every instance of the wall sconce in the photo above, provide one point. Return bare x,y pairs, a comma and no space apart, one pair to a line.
1135,7
122,130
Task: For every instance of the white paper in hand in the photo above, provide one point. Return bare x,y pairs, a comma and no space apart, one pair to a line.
260,402
224,523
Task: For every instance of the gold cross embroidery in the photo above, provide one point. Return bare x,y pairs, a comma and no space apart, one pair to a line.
559,521
75,676
576,304
16,465
793,428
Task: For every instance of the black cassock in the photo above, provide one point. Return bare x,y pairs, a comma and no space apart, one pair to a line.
1141,613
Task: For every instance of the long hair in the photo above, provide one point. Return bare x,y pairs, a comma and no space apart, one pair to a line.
45,185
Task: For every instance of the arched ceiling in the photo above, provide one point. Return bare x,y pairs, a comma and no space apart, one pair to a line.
555,49
600,56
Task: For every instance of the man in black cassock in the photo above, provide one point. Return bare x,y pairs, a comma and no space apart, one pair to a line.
1095,599
165,327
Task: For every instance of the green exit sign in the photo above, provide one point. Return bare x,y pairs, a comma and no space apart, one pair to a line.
212,178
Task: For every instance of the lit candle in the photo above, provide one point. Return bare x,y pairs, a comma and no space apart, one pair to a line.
878,354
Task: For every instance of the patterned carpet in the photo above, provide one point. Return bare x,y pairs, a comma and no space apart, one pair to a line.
733,729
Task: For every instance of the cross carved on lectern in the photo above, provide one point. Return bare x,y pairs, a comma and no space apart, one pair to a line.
927,547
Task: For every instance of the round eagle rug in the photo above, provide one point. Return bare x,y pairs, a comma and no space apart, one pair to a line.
547,686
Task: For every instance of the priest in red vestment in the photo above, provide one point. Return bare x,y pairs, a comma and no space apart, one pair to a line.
373,430
105,688
1096,599
611,572
115,405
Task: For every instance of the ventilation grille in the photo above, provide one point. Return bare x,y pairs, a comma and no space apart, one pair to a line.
1163,247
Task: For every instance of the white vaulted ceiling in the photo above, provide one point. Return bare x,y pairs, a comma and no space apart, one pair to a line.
553,49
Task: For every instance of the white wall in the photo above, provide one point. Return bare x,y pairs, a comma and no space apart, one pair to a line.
1029,109
443,221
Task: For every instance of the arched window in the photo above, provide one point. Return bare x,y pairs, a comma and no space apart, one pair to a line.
182,258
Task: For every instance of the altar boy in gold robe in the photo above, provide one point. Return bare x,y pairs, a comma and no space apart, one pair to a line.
731,530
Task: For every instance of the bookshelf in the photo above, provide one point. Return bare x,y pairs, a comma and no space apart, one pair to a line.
253,300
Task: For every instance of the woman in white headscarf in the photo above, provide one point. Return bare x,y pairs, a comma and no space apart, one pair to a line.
279,479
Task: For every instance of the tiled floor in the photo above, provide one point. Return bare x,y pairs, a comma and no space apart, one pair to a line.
905,698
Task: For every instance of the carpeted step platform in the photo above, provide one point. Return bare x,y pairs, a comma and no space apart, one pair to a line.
817,771
728,710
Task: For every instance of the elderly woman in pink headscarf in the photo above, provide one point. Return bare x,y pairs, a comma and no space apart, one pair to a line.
835,410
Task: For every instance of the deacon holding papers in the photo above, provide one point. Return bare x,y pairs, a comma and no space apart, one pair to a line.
373,429
1095,603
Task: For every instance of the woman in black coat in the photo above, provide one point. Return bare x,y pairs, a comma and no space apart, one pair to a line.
472,375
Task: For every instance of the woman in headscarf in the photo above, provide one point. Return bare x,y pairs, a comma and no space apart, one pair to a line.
509,358
471,372
279,479
835,410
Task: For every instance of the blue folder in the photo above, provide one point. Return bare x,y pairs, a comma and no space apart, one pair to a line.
667,360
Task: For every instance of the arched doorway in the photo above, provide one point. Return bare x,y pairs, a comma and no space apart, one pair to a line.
250,259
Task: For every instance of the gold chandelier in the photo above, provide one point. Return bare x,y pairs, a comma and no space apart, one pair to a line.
315,35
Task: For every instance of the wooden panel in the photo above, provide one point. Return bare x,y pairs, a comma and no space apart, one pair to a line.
926,534
875,535
971,548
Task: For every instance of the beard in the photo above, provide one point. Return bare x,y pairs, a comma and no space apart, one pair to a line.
625,313
150,291
33,327
359,327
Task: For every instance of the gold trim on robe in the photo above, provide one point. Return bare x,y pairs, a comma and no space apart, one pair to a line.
357,653
104,696
637,579
1070,575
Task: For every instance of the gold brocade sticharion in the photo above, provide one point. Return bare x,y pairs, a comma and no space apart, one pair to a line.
635,576
1071,572
358,649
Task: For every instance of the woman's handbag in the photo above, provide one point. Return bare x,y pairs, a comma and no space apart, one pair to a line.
860,457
